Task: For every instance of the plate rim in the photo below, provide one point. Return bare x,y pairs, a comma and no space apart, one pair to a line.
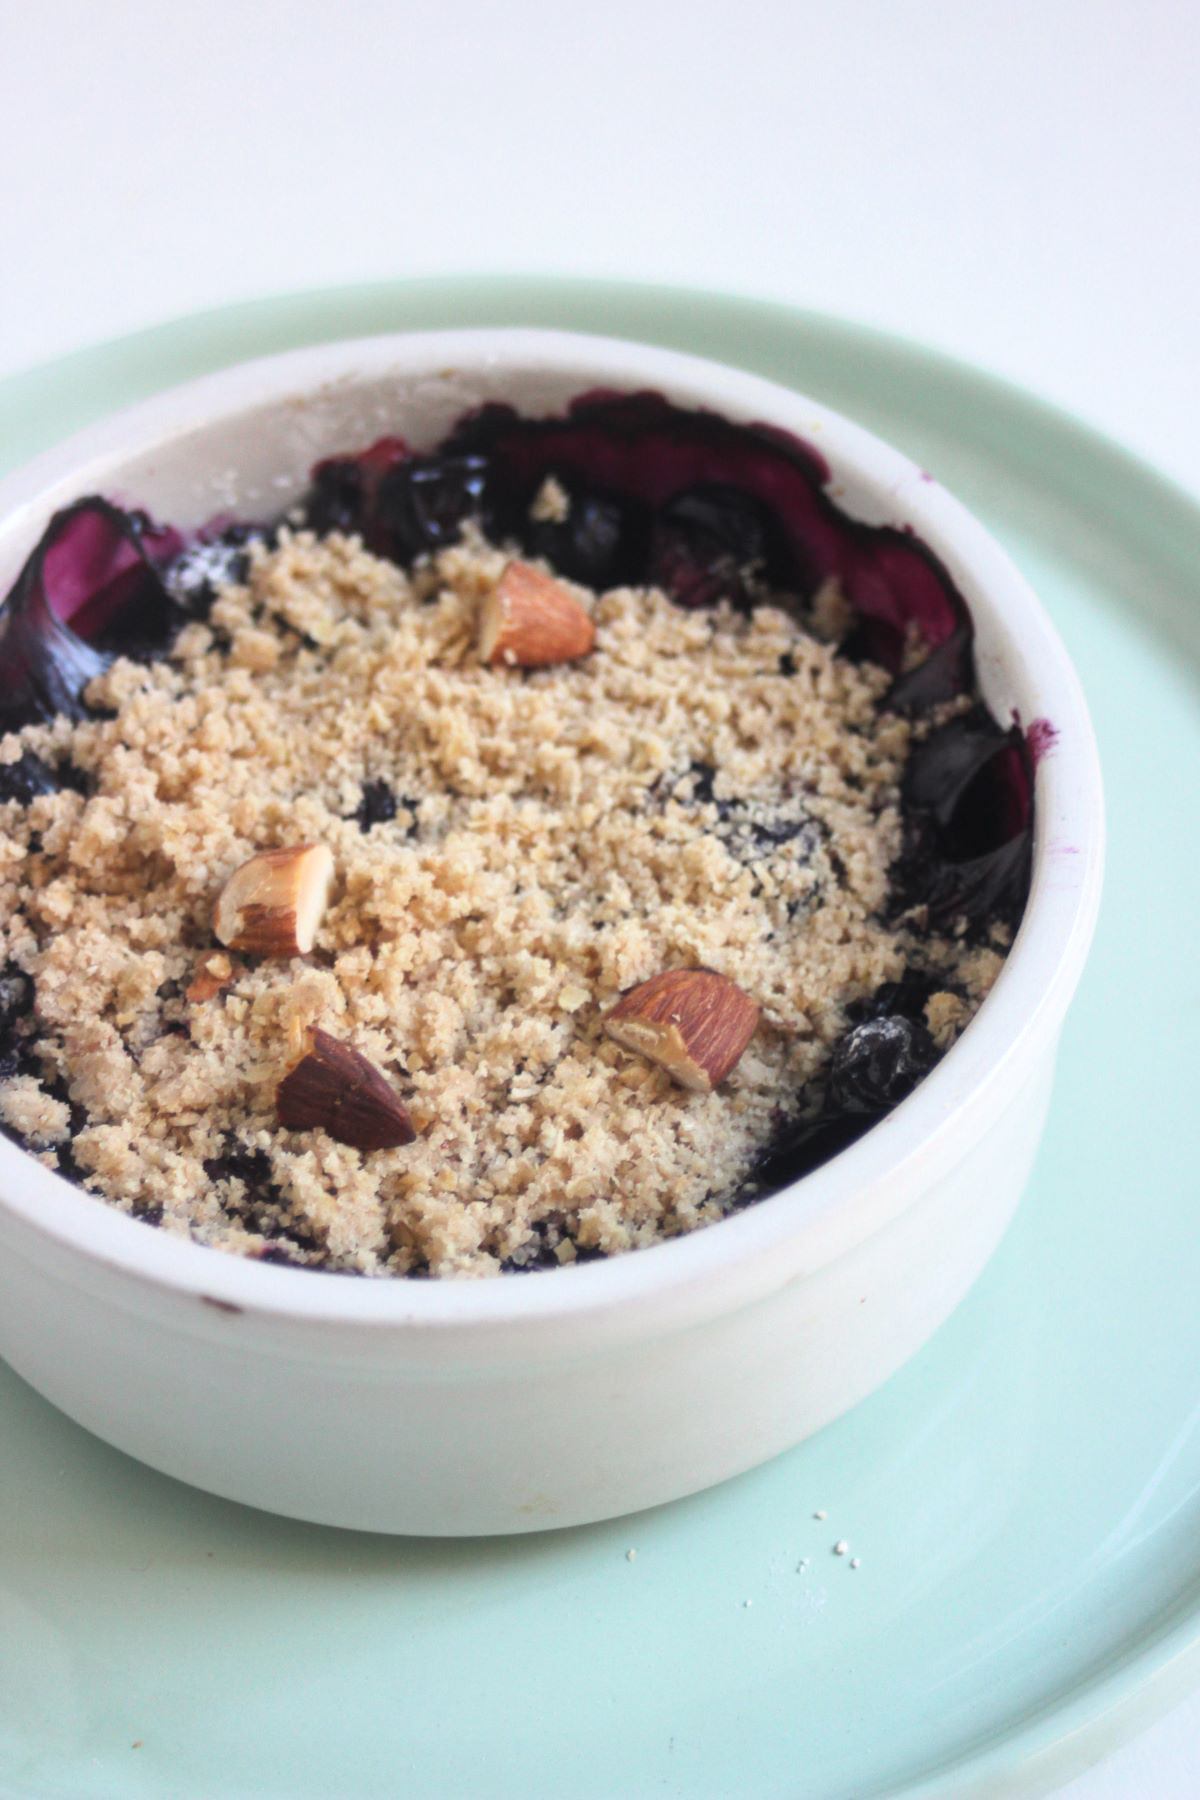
1033,1754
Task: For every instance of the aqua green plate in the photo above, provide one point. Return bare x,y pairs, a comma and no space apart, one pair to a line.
1024,1498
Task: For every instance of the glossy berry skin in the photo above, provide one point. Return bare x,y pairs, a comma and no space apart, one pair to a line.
101,566
968,824
706,543
16,1005
877,1064
421,505
23,780
336,500
874,1065
16,999
591,545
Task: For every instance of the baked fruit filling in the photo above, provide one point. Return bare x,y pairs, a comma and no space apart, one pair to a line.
522,852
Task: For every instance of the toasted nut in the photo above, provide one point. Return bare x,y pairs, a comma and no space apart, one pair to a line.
530,619
273,904
332,1088
213,972
696,1024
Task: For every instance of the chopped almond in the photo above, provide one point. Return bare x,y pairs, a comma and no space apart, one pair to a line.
694,1023
214,971
335,1089
529,620
272,905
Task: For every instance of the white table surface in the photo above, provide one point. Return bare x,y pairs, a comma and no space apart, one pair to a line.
1012,180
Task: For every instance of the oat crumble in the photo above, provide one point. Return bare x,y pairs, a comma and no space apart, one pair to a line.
707,788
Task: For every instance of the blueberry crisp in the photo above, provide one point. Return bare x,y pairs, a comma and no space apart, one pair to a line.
523,852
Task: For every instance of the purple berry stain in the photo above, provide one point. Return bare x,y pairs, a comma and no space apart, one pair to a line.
1041,738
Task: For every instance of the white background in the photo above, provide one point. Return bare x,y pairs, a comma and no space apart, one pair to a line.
1017,181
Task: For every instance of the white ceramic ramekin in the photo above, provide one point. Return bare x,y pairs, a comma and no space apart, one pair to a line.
580,1393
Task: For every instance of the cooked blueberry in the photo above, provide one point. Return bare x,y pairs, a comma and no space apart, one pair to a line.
800,1146
871,641
142,635
908,996
377,806
16,999
982,890
877,1064
26,778
114,559
719,521
995,806
704,543
804,832
79,781
703,775
289,1231
586,1253
753,831
896,585
250,1166
16,1029
275,1253
420,505
336,500
944,673
535,1253
591,545
44,667
342,495
968,811
941,768
873,1067
98,564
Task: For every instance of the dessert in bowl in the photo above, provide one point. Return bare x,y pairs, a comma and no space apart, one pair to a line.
460,956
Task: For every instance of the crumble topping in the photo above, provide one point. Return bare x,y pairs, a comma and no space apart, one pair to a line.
706,788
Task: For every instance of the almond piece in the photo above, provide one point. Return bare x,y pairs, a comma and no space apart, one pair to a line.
213,972
693,1022
335,1089
273,904
529,619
